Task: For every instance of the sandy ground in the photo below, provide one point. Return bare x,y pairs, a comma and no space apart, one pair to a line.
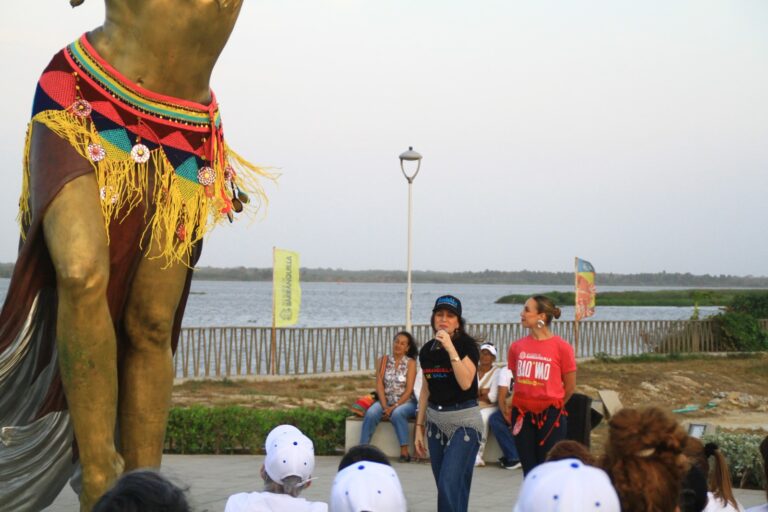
728,391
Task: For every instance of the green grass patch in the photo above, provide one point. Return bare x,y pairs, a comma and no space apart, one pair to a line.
679,298
236,429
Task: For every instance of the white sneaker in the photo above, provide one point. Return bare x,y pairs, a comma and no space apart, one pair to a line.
509,465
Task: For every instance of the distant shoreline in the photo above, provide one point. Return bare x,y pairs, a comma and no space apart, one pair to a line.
522,277
664,298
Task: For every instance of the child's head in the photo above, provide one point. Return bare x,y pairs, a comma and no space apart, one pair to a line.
143,491
363,452
367,485
567,484
569,449
718,475
644,458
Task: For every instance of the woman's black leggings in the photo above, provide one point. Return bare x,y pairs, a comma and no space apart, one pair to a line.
534,442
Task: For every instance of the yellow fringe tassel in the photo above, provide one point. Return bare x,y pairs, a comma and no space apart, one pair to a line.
125,184
24,218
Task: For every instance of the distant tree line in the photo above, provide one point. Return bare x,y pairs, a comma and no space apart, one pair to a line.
6,269
484,277
333,275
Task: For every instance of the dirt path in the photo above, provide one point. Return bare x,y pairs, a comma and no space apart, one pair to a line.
731,392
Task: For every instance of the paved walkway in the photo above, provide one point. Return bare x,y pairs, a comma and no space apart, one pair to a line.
212,478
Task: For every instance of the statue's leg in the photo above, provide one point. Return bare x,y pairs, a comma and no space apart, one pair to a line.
146,378
75,235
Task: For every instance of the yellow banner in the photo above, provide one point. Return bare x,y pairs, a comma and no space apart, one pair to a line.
286,291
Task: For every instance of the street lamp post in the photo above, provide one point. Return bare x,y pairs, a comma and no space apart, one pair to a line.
410,156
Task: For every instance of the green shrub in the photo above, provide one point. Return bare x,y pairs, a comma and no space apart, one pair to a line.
743,456
755,304
737,331
236,429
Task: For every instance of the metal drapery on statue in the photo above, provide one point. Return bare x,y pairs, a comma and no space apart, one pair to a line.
125,169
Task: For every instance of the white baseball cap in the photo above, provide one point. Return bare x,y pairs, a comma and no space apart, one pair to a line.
567,485
490,348
279,431
289,453
367,486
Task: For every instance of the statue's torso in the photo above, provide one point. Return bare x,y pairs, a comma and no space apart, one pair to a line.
166,46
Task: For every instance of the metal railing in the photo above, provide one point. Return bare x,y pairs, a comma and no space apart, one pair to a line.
209,352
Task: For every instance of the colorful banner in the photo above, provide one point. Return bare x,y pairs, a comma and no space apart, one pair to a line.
286,291
585,289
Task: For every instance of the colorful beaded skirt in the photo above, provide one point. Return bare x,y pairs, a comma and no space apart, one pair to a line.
145,148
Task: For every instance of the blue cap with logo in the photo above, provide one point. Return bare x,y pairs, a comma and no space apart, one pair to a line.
448,302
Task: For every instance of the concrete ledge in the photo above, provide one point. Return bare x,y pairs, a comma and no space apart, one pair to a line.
385,439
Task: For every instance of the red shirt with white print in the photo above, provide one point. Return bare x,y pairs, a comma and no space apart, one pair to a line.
539,367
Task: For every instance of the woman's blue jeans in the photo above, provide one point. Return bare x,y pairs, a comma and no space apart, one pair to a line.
453,461
399,419
503,435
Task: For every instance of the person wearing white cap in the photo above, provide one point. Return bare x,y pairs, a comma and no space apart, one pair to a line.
287,470
567,485
367,486
499,424
487,392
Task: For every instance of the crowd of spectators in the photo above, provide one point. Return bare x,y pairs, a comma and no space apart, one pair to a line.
649,462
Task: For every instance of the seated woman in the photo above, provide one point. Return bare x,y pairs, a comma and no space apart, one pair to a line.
487,373
499,423
394,386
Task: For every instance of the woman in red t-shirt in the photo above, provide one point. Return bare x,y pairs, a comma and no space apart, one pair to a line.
544,368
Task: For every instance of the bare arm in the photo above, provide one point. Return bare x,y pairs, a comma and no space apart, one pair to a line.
410,378
503,401
464,370
421,417
380,383
569,382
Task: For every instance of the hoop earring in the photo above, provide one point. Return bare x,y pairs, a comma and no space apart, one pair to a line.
540,324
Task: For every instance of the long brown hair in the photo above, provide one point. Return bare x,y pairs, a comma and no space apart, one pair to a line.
718,476
644,458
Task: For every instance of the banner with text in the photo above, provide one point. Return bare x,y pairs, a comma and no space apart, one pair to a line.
286,291
585,289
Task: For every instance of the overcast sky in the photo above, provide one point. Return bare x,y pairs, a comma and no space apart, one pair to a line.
633,134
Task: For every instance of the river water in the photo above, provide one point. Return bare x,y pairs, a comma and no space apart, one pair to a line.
249,303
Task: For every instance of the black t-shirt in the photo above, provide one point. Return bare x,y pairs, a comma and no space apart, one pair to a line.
438,371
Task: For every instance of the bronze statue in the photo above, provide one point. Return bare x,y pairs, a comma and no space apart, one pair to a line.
126,166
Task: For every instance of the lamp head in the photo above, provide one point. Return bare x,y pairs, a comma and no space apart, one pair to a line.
410,156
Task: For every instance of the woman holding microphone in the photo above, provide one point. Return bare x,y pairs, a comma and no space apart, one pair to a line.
449,416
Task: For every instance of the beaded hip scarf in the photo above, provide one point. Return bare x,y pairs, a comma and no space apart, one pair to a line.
143,146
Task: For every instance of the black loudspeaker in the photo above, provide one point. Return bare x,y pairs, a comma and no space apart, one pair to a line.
581,418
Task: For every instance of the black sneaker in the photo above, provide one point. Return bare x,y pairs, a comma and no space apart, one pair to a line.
509,464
